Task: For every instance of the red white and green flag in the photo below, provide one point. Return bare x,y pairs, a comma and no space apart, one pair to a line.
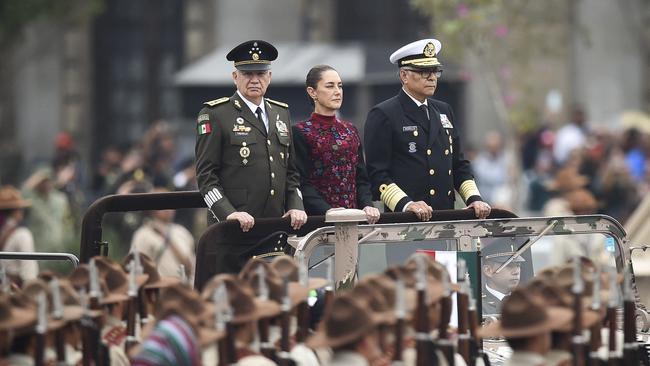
204,128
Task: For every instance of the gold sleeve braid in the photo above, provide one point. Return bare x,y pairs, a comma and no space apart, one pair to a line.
468,189
391,195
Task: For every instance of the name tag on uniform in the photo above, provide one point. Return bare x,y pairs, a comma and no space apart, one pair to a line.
446,123
409,128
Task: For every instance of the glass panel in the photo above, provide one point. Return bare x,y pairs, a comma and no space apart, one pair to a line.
550,250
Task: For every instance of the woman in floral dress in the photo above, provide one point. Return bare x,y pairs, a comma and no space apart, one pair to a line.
329,153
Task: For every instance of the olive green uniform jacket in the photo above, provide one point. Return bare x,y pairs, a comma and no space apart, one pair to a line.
241,167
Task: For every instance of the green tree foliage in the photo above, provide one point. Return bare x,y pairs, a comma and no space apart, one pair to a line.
513,40
15,14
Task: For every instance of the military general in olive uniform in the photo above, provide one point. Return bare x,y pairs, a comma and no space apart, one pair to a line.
244,152
413,150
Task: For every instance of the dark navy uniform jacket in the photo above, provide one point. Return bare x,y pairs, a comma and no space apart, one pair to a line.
412,159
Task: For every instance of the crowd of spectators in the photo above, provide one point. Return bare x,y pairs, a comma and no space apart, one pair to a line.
575,168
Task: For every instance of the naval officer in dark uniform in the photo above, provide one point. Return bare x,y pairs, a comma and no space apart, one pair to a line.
413,151
244,152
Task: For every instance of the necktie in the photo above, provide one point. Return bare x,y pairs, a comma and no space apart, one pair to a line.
258,112
426,110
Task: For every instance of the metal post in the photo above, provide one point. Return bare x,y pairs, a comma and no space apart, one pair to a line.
346,247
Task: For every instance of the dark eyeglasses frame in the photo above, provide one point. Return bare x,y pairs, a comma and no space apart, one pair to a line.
425,74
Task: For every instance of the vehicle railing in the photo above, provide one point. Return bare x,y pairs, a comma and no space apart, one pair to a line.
461,235
91,225
41,256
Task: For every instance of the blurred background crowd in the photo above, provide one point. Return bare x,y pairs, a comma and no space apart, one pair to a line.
100,97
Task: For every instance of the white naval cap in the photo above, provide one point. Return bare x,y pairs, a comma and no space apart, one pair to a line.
419,54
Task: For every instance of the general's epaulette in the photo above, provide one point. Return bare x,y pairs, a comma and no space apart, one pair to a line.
285,105
212,103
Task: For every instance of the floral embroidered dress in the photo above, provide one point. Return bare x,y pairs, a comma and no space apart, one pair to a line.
330,161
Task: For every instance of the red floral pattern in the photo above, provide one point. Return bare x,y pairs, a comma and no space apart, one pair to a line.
333,148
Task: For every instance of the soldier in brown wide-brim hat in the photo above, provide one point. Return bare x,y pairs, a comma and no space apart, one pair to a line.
350,330
526,323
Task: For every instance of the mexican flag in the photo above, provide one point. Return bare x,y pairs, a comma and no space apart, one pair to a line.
204,128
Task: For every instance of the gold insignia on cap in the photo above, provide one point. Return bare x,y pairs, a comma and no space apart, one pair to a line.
429,50
256,56
244,152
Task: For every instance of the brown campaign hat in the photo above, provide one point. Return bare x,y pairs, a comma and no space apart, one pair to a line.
35,287
107,266
10,199
386,285
525,315
287,266
566,180
434,289
183,301
251,266
374,300
275,286
581,202
556,296
245,306
155,280
13,317
346,322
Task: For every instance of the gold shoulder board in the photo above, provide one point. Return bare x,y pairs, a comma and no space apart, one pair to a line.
285,105
212,103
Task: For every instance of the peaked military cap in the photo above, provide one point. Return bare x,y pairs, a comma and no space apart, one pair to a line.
419,54
500,249
253,55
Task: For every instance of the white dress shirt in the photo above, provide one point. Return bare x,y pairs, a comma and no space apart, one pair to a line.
253,107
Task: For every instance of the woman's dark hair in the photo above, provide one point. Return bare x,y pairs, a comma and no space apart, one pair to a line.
313,77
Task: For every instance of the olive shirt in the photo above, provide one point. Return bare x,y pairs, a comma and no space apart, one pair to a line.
242,167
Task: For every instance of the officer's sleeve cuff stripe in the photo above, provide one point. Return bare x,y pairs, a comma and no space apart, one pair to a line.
212,196
217,194
208,201
299,193
468,189
391,195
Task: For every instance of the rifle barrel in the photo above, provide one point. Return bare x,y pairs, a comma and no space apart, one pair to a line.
463,325
630,346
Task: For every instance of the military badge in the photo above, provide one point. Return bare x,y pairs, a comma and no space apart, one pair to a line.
244,152
244,161
203,117
412,147
240,120
415,133
281,126
204,128
409,128
429,50
237,104
446,123
281,155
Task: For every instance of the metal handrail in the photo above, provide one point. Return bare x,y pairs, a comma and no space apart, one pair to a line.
91,225
41,256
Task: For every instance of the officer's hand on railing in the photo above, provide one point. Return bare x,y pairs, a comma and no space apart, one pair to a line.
372,214
481,209
246,221
421,210
298,218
